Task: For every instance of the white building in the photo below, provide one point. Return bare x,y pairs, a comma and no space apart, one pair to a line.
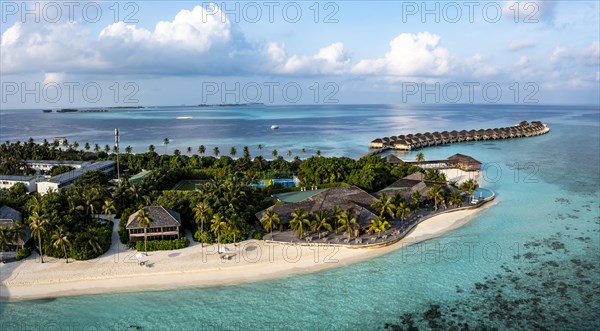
66,179
7,182
47,165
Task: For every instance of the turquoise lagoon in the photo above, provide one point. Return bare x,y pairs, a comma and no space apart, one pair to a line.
530,262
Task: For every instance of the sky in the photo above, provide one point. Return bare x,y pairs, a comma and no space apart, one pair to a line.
98,54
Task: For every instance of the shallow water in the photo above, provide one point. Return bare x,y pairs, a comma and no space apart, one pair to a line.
530,261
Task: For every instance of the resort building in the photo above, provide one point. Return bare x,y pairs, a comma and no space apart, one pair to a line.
45,166
164,224
7,182
8,218
66,179
456,161
350,198
419,140
415,182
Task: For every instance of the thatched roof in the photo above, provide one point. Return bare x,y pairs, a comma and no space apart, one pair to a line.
463,159
350,198
392,159
160,216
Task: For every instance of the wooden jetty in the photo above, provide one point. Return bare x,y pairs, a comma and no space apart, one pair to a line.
420,140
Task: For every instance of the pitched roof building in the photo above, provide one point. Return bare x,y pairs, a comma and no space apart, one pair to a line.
8,218
164,224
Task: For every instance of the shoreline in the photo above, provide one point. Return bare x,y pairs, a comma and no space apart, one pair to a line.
118,270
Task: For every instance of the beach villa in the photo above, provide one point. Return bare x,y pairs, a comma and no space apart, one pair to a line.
164,224
8,218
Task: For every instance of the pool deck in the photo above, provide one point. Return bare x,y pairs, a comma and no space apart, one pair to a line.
297,196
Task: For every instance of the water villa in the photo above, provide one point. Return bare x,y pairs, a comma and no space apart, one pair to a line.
420,140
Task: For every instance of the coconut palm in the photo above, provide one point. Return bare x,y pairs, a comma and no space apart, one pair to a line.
270,220
234,226
128,149
299,221
108,208
60,238
379,224
246,153
322,222
469,186
217,225
201,210
18,232
347,222
415,199
455,199
93,239
436,193
5,239
402,210
274,153
144,221
216,151
385,205
289,153
420,157
318,153
37,224
151,149
232,151
201,149
166,142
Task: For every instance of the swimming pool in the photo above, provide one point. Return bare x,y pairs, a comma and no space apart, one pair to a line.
286,182
482,193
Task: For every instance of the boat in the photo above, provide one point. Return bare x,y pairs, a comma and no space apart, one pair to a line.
67,110
47,110
274,127
183,117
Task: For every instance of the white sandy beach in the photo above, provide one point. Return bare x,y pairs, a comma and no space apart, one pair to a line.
118,270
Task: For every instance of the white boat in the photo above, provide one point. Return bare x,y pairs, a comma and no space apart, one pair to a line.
183,117
274,127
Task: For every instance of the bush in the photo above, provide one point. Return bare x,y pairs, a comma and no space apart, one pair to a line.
258,235
23,253
206,237
123,233
162,245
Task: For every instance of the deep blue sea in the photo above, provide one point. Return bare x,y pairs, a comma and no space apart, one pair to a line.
532,261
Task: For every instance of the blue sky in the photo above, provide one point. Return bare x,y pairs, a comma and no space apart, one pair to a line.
187,52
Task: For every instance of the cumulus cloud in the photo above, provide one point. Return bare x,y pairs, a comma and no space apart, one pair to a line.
479,67
409,55
331,59
559,54
520,44
591,54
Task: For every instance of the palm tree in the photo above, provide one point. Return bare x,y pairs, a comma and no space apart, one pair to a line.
151,148
106,148
436,193
379,224
270,220
415,199
299,221
144,221
108,209
289,153
469,186
128,149
18,232
385,205
274,153
96,148
303,150
166,142
216,151
60,237
217,225
5,239
402,210
93,239
232,151
335,212
420,157
37,224
318,153
260,147
189,150
234,226
246,153
201,149
201,210
86,146
347,222
322,222
455,199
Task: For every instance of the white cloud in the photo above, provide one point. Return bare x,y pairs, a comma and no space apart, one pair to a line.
520,44
559,54
479,67
409,55
332,59
276,52
54,77
523,61
591,54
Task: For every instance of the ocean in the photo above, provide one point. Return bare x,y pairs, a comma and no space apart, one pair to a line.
531,261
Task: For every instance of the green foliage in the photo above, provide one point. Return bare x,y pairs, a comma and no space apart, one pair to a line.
434,175
163,245
23,253
61,169
258,235
123,233
205,237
